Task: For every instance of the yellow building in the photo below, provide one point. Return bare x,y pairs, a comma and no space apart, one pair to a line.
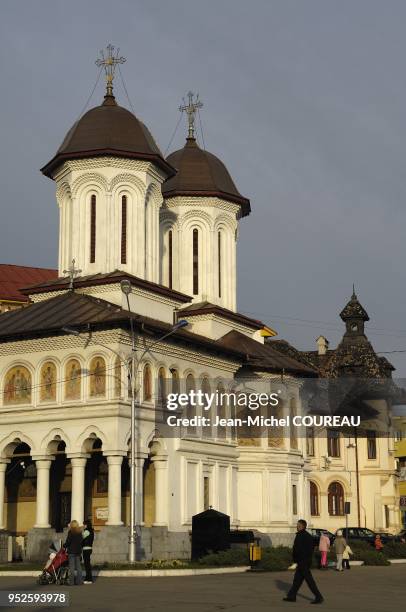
400,454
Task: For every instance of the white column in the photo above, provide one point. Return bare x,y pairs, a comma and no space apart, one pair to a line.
114,491
139,490
78,488
161,491
3,468
42,508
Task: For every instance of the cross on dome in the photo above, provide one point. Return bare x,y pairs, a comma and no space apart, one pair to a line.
109,62
191,108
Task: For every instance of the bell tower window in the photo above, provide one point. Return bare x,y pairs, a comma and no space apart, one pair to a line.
219,260
170,259
92,229
124,229
195,262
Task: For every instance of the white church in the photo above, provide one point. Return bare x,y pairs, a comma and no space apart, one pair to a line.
168,228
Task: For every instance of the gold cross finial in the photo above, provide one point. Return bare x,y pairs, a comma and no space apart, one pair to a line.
72,272
109,61
191,108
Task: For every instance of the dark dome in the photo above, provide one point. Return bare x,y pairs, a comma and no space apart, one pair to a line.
108,129
200,173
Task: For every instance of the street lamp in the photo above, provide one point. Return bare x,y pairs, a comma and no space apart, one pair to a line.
132,365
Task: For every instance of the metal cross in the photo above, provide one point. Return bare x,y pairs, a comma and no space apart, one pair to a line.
191,109
109,62
72,272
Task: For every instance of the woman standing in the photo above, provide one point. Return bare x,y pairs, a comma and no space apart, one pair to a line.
73,546
339,547
87,545
324,547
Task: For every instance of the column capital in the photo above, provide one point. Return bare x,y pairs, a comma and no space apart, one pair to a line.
4,464
114,454
159,459
42,458
114,459
78,461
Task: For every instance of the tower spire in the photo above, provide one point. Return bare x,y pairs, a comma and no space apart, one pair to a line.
109,61
191,108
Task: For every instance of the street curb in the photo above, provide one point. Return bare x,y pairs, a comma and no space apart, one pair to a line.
149,573
394,561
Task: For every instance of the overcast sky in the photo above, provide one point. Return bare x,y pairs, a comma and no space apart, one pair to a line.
305,102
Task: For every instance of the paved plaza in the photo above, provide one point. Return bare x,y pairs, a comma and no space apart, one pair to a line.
363,589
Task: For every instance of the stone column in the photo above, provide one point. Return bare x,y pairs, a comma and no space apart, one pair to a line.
42,507
114,491
161,491
78,488
3,468
139,490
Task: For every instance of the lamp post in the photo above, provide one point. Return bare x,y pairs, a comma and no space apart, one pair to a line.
132,366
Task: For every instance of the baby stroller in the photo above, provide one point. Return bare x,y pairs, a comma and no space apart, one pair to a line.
56,569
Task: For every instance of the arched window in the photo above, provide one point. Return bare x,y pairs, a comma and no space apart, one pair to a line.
190,410
161,386
195,262
17,386
336,499
206,431
124,229
92,229
221,410
147,383
219,260
292,428
97,377
170,259
314,499
73,373
175,380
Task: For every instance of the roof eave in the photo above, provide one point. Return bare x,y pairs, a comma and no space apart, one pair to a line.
60,158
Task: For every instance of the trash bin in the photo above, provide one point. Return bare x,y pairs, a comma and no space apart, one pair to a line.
255,552
210,533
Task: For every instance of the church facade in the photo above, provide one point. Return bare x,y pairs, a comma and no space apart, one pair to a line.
167,229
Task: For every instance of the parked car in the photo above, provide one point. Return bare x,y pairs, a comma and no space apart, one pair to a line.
400,537
362,534
316,533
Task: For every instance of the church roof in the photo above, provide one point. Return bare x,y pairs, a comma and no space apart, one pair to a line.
62,284
84,312
201,308
13,278
108,129
264,357
200,173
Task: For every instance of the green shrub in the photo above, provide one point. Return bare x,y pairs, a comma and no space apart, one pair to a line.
395,550
371,557
230,557
276,559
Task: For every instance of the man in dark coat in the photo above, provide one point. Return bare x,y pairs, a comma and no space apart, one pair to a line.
302,556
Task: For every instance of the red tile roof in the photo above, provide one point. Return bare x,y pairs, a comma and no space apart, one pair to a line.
13,278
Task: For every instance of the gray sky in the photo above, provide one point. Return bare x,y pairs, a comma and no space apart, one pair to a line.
304,100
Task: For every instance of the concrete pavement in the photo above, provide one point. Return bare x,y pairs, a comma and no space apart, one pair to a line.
362,589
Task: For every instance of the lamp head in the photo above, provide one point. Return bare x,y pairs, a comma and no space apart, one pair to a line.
126,287
180,324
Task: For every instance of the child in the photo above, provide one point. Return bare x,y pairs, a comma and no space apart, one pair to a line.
378,543
346,557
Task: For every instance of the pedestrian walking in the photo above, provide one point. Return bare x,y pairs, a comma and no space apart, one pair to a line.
324,547
73,546
303,555
339,547
346,557
87,548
